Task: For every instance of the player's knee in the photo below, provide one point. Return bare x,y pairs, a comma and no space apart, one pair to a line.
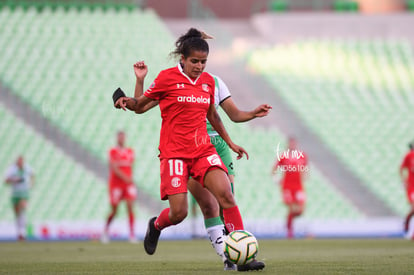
227,200
178,216
114,209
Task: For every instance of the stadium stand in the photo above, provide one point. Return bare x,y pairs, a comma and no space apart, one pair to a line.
356,95
63,189
65,63
258,194
75,57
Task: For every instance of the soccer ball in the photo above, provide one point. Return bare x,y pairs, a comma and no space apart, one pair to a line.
241,247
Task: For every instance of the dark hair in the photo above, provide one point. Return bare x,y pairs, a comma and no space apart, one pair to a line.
191,41
411,146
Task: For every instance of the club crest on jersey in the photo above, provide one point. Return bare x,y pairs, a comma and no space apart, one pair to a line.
175,182
205,87
152,85
180,86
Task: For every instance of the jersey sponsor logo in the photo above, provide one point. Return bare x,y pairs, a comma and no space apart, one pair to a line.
175,182
193,99
205,87
214,160
180,86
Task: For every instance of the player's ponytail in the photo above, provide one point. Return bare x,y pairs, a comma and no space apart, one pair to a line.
193,40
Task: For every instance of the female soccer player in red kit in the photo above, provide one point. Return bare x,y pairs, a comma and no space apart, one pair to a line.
186,97
293,164
408,180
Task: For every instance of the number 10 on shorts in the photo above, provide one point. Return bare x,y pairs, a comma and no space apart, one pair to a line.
176,167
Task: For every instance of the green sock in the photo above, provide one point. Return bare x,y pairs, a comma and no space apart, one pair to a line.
212,222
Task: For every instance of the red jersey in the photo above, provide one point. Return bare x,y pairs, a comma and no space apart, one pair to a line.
292,166
124,157
408,163
184,104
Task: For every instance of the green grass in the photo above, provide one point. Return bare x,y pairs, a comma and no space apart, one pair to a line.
376,256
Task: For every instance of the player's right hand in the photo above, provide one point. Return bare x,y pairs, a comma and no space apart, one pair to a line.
140,70
121,103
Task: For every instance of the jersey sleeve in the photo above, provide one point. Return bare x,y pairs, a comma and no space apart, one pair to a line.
131,151
222,91
112,154
158,87
29,170
9,172
279,162
404,163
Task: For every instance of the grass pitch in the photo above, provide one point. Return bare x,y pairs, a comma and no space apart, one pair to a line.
345,256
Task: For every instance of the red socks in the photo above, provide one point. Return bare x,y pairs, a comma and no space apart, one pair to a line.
232,219
109,220
163,220
131,224
407,221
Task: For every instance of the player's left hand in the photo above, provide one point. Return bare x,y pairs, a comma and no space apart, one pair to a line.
262,110
239,151
141,70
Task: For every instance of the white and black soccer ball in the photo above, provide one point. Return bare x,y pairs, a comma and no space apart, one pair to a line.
241,247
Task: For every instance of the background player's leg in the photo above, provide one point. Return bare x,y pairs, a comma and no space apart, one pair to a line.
295,210
20,211
289,221
112,214
408,218
131,219
231,179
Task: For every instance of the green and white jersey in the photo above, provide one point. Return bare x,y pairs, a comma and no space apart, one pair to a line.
21,188
221,93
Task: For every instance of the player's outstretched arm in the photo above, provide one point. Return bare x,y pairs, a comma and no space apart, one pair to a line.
12,180
216,122
114,165
141,71
139,103
403,176
237,115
